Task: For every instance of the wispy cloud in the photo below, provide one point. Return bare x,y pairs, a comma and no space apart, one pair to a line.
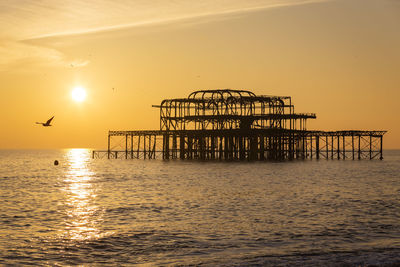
33,19
22,20
15,55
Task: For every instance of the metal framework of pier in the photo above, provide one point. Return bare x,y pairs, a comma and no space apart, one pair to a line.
238,125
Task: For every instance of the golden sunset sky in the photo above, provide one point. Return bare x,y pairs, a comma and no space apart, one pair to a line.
339,59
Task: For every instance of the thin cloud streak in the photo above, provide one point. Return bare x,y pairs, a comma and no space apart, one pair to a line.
15,55
22,21
30,20
180,17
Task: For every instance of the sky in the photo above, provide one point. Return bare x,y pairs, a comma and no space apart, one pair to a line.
339,59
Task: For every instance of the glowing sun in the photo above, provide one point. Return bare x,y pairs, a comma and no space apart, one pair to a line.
78,94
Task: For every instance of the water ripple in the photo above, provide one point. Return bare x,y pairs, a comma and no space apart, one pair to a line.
101,212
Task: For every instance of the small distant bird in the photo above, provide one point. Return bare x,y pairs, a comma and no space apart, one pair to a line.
47,123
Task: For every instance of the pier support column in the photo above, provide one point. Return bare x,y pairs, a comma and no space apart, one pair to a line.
344,147
181,146
150,148
138,149
144,146
219,139
202,150
166,146
370,147
154,146
231,153
213,147
253,148
190,147
108,147
241,148
131,146
226,148
327,147
126,146
261,140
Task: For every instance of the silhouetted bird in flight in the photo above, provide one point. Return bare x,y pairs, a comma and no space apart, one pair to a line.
47,122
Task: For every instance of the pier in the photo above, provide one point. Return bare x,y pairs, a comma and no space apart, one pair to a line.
237,125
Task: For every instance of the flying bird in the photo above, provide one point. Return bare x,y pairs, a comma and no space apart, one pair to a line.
47,123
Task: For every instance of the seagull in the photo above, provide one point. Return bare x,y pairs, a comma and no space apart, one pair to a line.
47,122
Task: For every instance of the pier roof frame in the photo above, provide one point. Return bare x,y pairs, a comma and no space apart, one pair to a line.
225,95
227,108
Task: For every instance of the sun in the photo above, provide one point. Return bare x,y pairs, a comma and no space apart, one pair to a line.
78,94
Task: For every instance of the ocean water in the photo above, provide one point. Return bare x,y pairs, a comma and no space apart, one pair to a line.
121,212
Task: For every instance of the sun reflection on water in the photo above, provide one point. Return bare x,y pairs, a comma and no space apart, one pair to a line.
83,214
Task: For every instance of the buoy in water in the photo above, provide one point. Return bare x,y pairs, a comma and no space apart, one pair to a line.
56,162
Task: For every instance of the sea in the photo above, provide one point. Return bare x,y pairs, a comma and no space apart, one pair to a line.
100,212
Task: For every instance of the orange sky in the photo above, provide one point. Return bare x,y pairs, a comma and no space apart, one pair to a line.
339,59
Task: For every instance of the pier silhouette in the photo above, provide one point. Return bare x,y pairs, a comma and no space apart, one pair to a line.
237,125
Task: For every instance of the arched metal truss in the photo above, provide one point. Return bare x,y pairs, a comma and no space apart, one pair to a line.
230,109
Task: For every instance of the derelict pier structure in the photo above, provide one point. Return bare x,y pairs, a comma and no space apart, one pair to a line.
238,125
